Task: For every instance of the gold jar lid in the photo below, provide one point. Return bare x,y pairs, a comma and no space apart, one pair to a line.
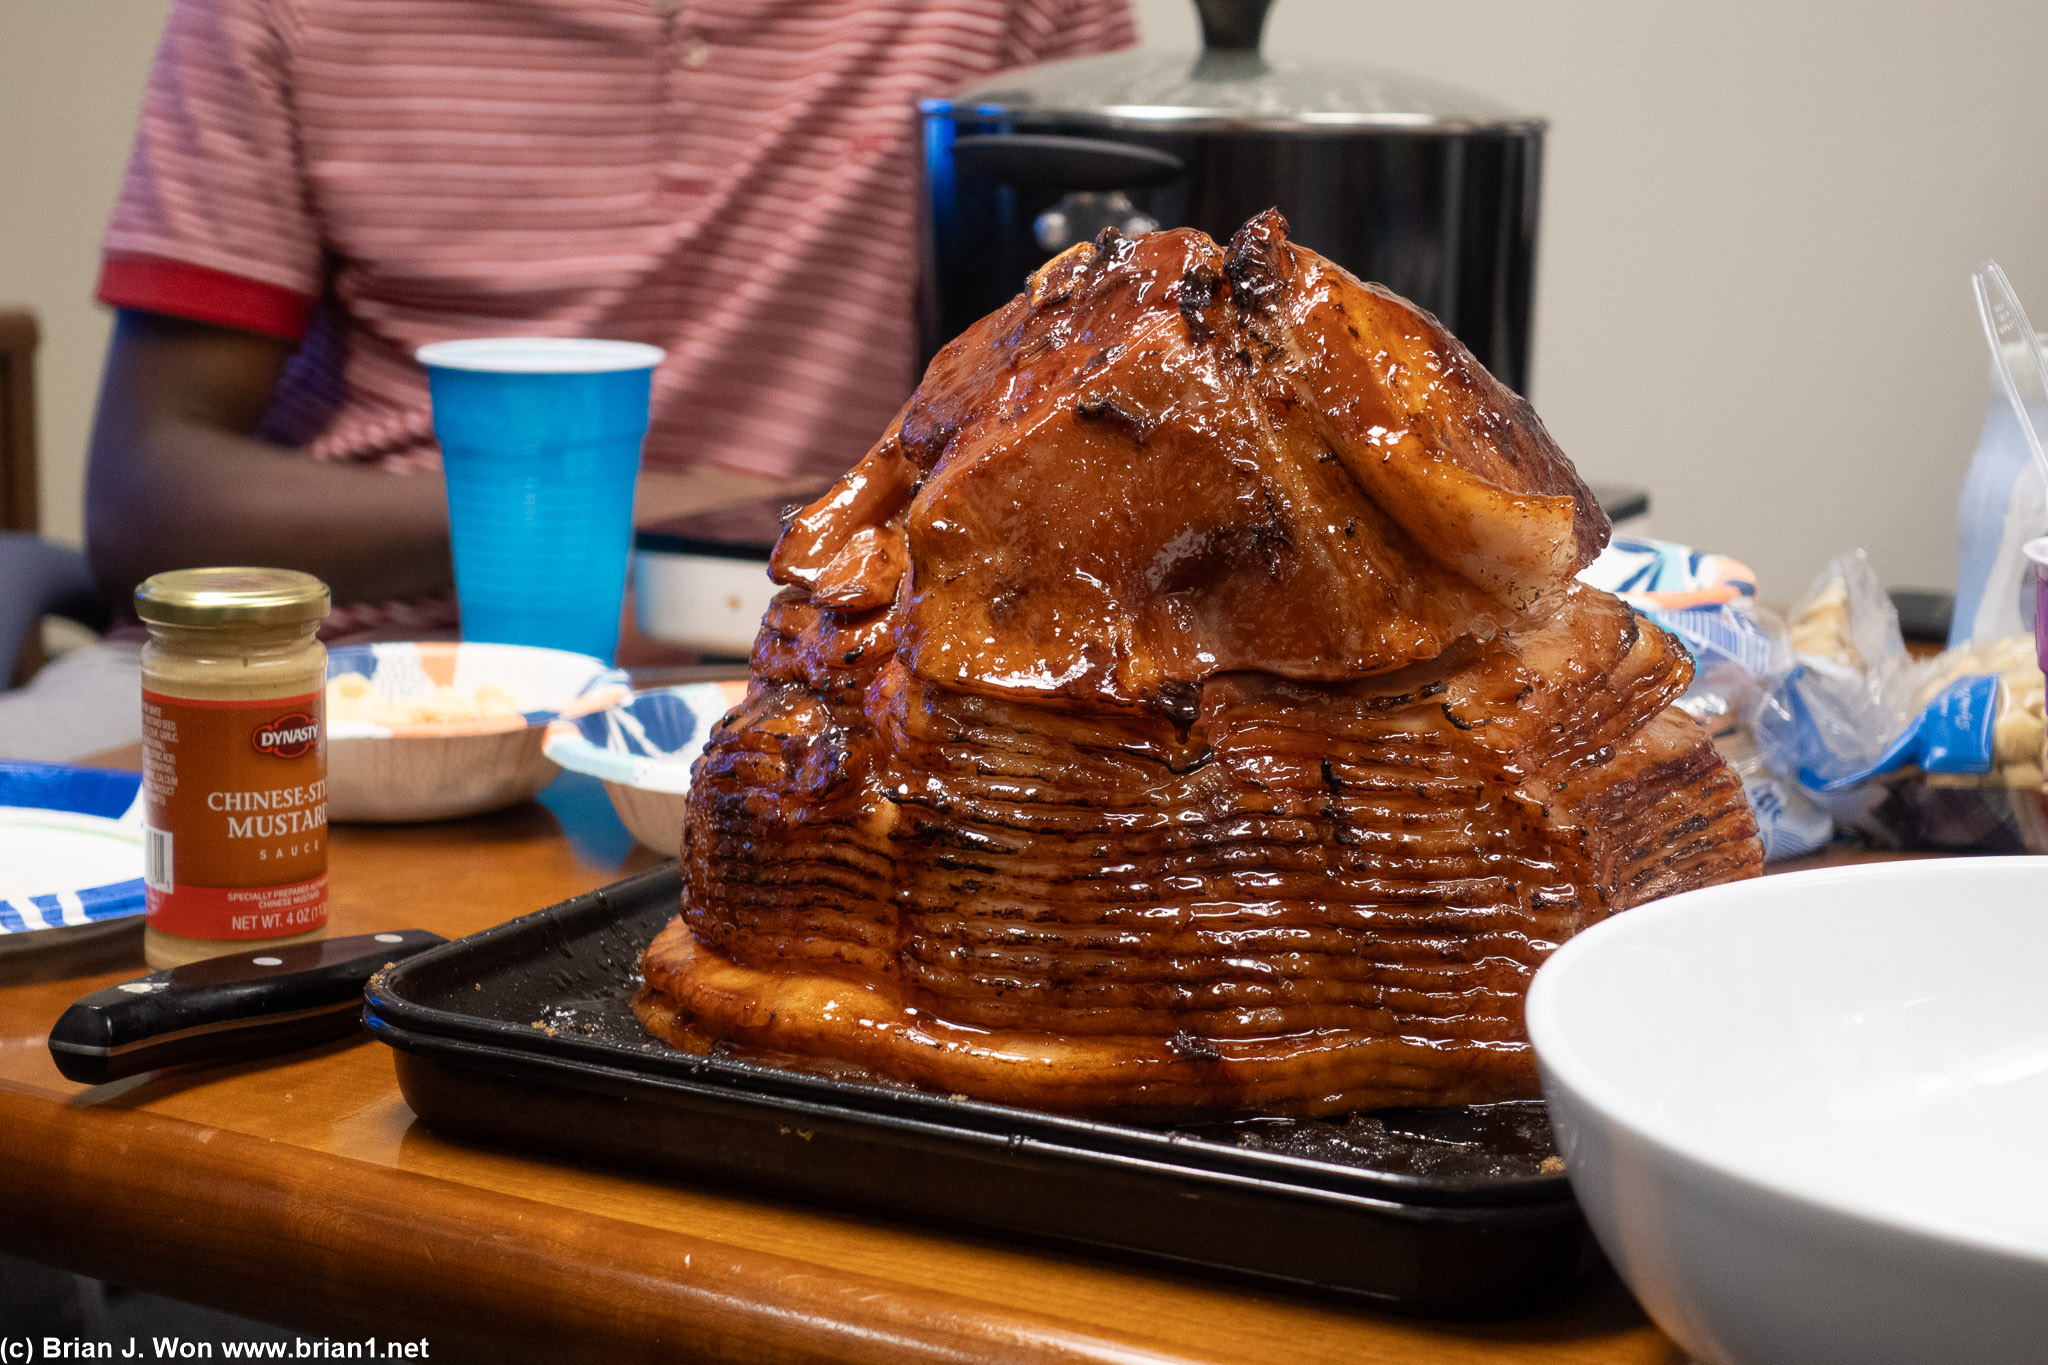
236,596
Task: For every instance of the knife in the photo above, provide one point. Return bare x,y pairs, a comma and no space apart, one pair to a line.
227,1009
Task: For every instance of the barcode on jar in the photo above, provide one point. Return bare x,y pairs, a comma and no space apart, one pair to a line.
156,859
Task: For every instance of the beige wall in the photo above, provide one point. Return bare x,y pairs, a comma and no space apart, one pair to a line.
1758,223
1759,219
71,74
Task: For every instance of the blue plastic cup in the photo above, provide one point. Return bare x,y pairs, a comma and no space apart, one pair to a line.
540,444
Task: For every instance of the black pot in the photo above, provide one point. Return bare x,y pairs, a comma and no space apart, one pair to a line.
1421,187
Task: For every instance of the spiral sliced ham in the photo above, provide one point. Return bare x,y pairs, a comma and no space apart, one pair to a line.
1188,706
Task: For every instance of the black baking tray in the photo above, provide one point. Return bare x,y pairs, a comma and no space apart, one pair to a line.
522,1035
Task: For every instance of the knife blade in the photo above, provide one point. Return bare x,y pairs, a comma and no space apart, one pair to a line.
227,1009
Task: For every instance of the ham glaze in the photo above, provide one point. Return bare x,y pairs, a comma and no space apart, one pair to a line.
1188,706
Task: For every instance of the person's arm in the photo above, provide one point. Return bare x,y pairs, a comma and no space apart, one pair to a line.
177,481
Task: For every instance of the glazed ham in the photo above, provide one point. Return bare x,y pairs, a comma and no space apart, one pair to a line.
1187,707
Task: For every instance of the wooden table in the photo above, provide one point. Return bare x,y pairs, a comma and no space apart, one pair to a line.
301,1191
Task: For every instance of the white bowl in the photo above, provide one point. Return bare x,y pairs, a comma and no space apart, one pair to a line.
701,599
1807,1115
641,748
702,580
441,770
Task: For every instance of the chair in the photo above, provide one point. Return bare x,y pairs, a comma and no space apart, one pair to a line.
37,578
18,336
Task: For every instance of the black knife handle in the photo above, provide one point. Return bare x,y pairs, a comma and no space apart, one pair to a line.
227,1009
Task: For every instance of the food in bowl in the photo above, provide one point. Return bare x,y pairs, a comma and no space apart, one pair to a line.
1187,706
353,700
432,738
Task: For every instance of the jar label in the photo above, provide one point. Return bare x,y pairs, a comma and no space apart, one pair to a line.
235,837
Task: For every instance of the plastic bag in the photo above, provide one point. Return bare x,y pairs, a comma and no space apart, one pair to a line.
1847,695
1739,651
1883,742
2003,504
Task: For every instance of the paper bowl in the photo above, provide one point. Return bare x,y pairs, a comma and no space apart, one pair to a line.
400,772
641,749
1804,1114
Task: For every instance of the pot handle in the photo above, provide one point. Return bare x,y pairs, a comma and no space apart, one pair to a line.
1066,163
1232,25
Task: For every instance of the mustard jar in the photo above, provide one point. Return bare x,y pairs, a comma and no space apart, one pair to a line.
234,761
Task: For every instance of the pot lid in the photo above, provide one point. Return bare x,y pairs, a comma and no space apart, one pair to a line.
1229,84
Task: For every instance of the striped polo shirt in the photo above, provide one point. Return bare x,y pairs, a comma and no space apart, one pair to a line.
731,180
